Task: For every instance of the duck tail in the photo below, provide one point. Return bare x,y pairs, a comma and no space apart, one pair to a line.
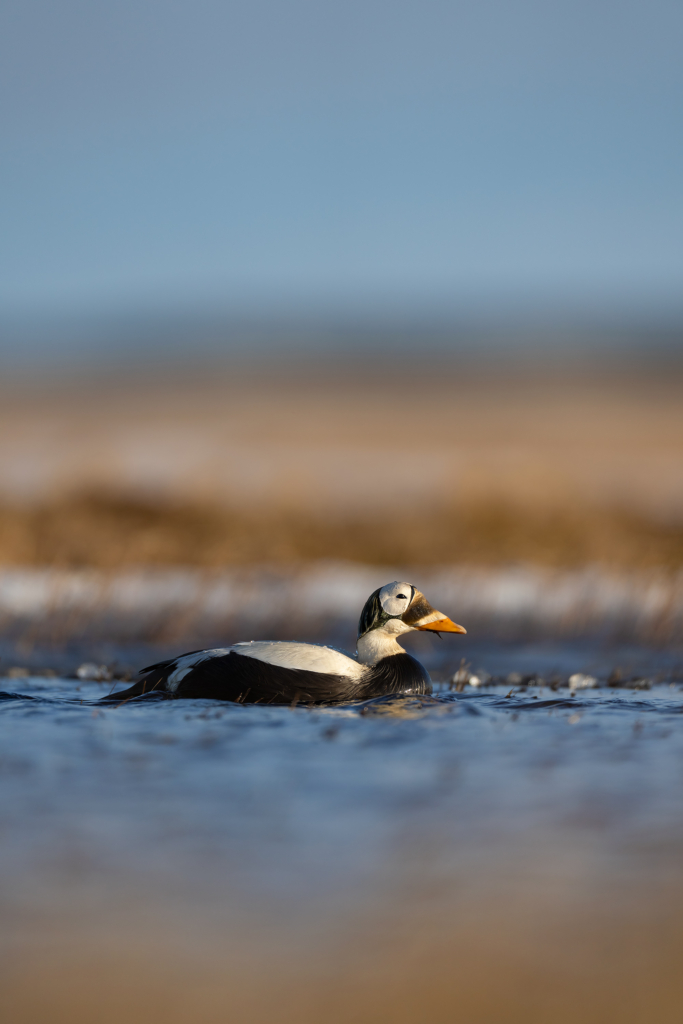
153,678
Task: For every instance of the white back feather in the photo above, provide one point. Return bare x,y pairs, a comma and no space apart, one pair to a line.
306,657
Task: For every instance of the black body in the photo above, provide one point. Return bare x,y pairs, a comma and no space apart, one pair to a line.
245,680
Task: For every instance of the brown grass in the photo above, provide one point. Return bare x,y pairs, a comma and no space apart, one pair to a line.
490,465
110,532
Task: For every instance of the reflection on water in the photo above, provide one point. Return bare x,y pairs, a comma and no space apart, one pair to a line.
492,855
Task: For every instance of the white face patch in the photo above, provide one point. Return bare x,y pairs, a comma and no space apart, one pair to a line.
395,598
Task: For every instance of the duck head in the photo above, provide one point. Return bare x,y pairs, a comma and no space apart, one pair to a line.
391,611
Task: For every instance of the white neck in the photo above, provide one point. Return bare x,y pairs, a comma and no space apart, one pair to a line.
381,643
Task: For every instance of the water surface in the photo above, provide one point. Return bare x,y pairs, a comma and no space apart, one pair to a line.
279,854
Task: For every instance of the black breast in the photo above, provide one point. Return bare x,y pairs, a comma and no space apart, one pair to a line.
399,673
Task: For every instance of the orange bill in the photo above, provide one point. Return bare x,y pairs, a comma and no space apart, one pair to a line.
442,625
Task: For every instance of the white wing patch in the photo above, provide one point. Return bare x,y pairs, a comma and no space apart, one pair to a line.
187,662
306,657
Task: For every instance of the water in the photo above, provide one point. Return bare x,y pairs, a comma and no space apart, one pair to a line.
318,841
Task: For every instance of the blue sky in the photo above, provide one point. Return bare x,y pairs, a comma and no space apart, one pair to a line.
349,156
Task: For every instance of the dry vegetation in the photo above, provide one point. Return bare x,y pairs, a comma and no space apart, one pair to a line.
431,465
109,532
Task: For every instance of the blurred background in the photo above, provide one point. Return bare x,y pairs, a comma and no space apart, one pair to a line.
299,297
389,283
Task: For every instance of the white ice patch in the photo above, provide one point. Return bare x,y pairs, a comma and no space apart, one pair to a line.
306,657
396,597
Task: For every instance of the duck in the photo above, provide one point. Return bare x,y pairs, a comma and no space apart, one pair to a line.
284,672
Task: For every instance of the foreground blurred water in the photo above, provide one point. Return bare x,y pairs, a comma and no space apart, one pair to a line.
166,858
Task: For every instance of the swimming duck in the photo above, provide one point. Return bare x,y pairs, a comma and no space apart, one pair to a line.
276,672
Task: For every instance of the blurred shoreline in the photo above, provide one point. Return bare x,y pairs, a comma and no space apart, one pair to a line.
44,611
177,506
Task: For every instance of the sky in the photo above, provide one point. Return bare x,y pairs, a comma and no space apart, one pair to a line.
167,155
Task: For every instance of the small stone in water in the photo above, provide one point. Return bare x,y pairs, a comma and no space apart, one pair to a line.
97,673
579,681
463,677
